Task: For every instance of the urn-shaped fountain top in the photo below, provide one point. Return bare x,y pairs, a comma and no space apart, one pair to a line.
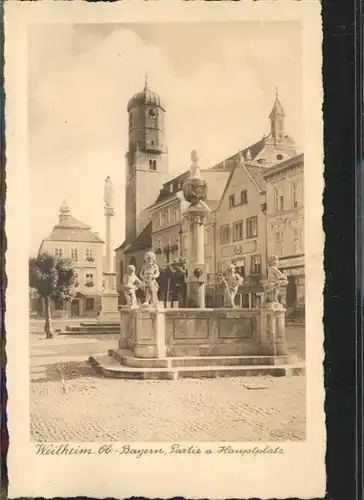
195,187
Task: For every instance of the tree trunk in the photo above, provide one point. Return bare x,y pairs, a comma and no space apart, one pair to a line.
48,325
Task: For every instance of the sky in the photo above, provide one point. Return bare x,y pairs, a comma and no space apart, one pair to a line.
217,81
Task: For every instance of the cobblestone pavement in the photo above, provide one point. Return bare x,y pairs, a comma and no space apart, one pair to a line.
69,402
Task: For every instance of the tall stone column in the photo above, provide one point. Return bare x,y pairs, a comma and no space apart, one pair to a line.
109,298
195,192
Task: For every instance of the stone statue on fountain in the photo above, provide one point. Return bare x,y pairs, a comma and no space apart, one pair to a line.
149,275
276,281
130,284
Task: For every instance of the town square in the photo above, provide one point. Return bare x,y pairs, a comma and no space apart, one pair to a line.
191,326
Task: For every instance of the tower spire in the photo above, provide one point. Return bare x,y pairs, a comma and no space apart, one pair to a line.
276,118
146,81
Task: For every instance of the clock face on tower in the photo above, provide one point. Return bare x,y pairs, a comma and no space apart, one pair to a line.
152,113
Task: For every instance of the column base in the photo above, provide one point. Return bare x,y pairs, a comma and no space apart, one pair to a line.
196,294
109,308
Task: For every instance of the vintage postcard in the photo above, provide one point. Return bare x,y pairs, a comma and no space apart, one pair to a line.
165,249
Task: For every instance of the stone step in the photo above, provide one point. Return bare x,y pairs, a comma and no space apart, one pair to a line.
111,367
126,358
91,329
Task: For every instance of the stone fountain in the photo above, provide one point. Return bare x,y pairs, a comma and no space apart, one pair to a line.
158,343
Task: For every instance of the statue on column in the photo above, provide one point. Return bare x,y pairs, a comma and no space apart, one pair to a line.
149,275
108,193
276,280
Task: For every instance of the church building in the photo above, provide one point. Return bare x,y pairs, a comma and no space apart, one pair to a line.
146,169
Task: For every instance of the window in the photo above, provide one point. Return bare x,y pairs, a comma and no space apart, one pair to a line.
74,254
255,265
150,165
238,231
167,216
89,255
278,244
89,279
240,267
224,234
90,304
296,202
232,201
175,212
154,165
58,252
278,200
244,197
252,227
297,240
77,279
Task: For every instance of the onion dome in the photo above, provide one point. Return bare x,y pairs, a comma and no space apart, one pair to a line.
145,98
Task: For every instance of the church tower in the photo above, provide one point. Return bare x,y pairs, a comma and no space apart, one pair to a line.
146,159
276,118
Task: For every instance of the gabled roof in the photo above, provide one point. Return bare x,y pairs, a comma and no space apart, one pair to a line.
72,223
70,234
120,247
216,176
143,241
71,229
254,175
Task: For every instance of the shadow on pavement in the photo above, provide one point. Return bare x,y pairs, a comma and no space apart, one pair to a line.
69,370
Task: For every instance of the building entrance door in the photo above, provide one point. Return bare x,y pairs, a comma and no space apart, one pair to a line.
75,308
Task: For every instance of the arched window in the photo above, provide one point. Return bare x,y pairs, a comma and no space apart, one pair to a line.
154,165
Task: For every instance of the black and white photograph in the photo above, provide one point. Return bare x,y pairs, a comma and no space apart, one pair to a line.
170,218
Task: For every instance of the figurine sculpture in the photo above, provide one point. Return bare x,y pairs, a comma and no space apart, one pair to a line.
108,193
131,284
232,280
149,275
275,281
